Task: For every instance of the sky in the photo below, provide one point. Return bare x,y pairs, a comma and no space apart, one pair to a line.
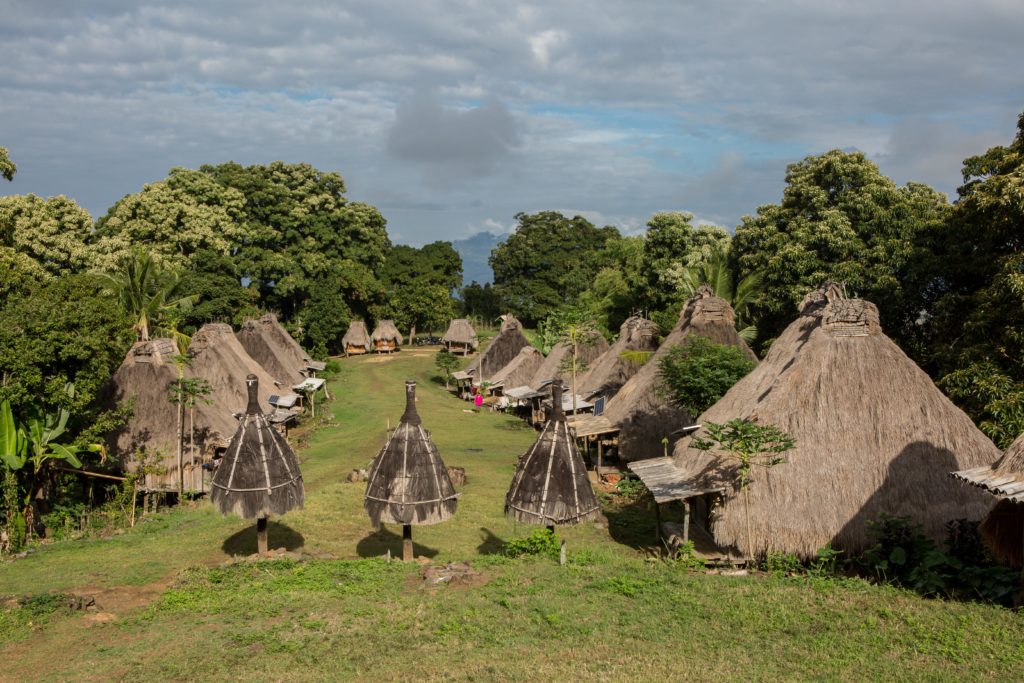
451,117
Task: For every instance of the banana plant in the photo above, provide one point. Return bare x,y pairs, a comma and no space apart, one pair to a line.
13,445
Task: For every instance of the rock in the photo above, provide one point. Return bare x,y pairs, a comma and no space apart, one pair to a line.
457,475
356,476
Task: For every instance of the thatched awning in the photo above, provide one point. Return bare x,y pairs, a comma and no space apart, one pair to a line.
665,481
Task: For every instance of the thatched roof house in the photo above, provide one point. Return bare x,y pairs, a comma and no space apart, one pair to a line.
259,475
460,337
408,482
386,337
640,409
509,341
609,371
270,345
356,339
586,353
519,371
550,485
873,435
1003,526
146,376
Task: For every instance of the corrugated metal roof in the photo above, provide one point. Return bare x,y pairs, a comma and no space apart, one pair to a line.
1010,487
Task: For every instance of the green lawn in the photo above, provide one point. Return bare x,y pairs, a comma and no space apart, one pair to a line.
170,607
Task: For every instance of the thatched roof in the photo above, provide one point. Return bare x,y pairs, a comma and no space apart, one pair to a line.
356,335
460,331
386,331
502,349
408,482
259,475
270,345
610,370
641,410
1003,527
586,354
520,370
550,485
146,375
873,434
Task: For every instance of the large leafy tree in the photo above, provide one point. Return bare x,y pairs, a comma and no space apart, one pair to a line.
7,167
419,286
481,300
672,244
617,289
840,218
52,232
549,259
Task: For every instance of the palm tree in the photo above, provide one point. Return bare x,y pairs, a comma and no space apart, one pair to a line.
716,273
147,291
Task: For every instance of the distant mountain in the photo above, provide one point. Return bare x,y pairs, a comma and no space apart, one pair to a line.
475,250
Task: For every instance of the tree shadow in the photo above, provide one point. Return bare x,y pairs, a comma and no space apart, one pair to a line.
490,543
278,536
633,522
378,543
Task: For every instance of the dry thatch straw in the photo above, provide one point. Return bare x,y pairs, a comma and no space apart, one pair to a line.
502,349
356,339
386,336
520,370
550,485
1003,527
640,409
259,475
151,433
586,353
408,482
270,345
460,337
610,370
873,435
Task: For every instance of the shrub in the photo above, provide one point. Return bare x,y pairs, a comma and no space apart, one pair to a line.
539,542
698,372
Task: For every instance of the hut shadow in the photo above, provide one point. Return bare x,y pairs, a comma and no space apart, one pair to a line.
917,485
633,523
378,543
490,544
278,536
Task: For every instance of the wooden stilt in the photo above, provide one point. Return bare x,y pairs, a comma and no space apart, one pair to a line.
657,523
600,456
261,535
407,555
686,520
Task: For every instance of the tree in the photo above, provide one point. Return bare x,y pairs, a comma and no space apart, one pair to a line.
841,219
672,244
549,260
419,285
52,232
617,290
576,330
717,273
7,167
147,292
446,362
750,445
698,372
480,301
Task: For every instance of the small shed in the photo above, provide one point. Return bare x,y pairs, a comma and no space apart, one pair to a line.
1003,527
356,340
460,337
386,338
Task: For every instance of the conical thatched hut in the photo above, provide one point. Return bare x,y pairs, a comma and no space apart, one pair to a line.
519,371
259,475
509,341
356,340
408,482
270,345
1003,527
873,435
609,371
460,337
561,353
550,485
150,435
640,409
386,337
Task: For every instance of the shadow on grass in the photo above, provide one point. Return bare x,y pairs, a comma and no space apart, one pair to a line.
491,544
278,536
377,543
632,522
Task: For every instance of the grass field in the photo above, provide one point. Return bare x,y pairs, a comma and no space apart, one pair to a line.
171,605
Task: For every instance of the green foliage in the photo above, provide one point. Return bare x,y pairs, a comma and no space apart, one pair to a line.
993,398
825,562
148,292
698,372
51,232
782,563
480,301
7,167
671,246
903,555
548,260
719,274
419,286
631,489
841,219
14,528
446,362
540,542
686,557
